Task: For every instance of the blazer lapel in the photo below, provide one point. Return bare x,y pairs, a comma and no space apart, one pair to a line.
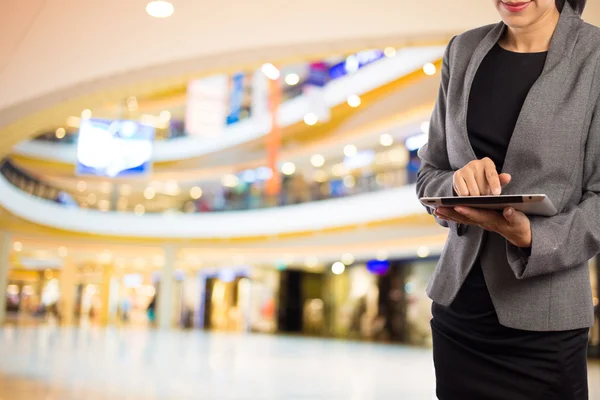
557,64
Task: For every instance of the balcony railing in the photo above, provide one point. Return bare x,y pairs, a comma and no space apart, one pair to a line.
244,196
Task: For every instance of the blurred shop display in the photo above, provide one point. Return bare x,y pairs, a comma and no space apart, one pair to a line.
206,106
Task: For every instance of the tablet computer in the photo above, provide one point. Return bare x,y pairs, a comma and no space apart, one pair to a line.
530,204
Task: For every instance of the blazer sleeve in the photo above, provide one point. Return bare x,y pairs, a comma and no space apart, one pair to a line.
571,238
434,178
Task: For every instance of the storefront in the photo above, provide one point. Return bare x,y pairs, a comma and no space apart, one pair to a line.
33,294
301,305
225,299
263,300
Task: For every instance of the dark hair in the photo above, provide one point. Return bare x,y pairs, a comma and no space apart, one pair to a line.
578,5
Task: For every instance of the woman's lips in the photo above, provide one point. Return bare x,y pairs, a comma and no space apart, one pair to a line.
515,7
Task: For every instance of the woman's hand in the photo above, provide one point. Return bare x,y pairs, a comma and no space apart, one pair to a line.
512,224
479,178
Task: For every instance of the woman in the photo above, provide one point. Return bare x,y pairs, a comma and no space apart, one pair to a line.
518,112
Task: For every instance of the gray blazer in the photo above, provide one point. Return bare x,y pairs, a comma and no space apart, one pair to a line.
555,149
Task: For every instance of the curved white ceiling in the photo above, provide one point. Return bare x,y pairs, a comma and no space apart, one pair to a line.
48,47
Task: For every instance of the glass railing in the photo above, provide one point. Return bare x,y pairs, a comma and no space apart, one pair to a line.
295,189
298,190
30,184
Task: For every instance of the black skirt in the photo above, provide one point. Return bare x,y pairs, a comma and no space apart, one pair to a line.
477,358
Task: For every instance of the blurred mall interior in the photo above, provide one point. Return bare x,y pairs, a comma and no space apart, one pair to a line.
199,200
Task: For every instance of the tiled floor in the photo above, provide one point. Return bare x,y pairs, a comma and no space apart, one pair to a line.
70,364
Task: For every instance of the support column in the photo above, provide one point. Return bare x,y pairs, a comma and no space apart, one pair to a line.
5,246
273,139
68,280
105,295
165,289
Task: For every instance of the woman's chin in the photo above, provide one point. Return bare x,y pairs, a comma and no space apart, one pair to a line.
517,20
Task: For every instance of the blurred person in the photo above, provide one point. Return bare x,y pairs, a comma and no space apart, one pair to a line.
219,199
298,190
151,310
125,308
518,112
254,198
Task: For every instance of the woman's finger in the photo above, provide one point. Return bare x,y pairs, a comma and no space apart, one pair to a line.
482,183
472,184
460,186
492,178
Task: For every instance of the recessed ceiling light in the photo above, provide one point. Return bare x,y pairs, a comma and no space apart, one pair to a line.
271,71
350,150
354,101
160,9
317,160
292,79
423,252
288,168
429,69
165,116
196,192
311,119
386,140
230,181
338,268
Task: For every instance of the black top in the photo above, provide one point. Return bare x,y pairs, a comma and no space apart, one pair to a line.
497,96
499,89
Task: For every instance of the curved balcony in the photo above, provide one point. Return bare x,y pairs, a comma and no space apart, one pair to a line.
39,202
292,111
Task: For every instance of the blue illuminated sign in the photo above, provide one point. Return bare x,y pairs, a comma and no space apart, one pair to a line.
114,148
236,97
378,267
354,62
